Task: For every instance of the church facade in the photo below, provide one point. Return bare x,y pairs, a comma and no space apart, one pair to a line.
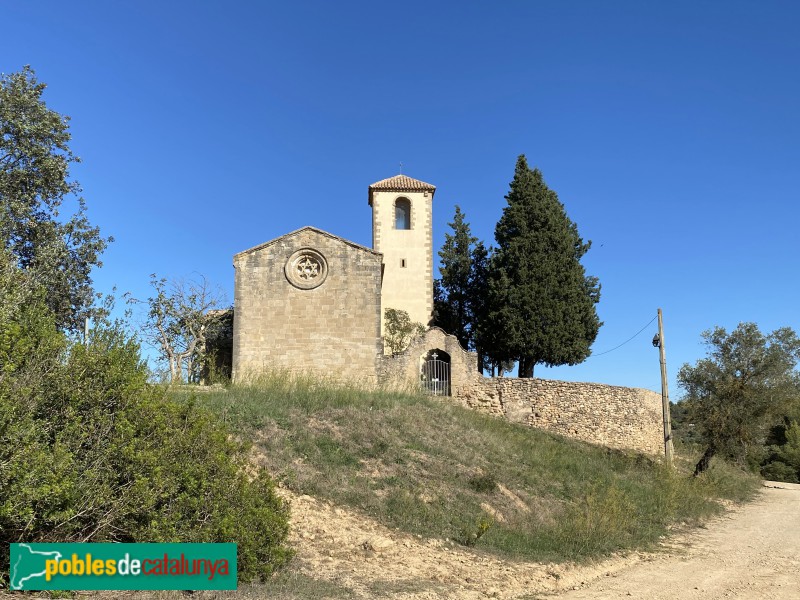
310,301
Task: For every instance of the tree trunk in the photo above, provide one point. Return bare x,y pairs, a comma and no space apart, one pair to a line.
702,464
190,365
525,368
174,370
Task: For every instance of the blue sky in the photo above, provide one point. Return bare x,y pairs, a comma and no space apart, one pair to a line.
669,130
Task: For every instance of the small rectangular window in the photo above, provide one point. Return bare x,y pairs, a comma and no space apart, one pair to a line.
403,263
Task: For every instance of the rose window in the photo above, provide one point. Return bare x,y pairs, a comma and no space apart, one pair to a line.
306,269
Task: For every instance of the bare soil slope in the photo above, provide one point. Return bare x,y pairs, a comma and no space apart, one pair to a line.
751,553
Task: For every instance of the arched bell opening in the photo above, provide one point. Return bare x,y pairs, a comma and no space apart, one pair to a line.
402,213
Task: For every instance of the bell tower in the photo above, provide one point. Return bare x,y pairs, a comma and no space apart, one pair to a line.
402,232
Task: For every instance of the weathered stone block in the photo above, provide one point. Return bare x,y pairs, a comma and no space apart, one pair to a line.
618,417
288,298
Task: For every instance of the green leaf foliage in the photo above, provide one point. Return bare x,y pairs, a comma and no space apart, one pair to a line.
451,293
90,451
741,389
400,330
541,304
460,293
783,463
34,183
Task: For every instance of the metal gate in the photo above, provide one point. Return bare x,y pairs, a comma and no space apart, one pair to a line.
435,376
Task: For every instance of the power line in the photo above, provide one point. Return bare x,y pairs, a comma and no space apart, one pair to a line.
626,341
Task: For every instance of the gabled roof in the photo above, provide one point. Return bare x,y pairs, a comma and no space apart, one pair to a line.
307,228
400,183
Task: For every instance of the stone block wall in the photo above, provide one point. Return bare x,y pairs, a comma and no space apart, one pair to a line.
308,302
403,371
617,417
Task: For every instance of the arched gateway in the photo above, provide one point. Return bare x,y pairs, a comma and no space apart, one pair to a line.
435,361
435,373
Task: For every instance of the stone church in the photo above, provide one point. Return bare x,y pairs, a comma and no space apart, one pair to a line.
311,301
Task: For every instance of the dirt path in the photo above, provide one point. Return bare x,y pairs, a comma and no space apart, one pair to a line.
751,553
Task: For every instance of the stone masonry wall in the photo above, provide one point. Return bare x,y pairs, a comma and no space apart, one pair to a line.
403,371
617,417
307,302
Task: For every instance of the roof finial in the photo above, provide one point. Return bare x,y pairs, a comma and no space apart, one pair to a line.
401,167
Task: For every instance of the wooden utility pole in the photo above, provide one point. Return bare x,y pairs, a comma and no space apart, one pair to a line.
664,392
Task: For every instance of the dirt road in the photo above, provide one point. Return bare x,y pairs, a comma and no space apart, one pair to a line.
750,554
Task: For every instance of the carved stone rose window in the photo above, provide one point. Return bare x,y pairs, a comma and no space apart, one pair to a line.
306,269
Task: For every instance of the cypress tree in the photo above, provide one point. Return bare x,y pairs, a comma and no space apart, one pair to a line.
541,302
478,290
452,297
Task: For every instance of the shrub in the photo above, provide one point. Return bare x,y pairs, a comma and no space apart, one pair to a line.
89,451
483,483
784,459
470,534
779,471
400,330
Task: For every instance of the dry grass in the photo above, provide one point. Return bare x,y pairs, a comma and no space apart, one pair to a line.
432,468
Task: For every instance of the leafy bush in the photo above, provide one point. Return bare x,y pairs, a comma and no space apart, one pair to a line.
89,451
472,533
400,330
482,483
779,471
783,463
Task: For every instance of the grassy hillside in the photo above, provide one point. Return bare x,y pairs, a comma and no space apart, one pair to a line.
435,469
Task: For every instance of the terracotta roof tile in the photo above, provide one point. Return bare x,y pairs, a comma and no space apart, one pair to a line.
400,183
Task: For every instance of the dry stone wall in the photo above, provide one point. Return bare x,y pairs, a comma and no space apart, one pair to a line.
617,417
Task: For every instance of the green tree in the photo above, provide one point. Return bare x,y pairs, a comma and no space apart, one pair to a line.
542,305
91,452
740,389
457,295
479,303
490,317
34,183
783,462
400,330
29,341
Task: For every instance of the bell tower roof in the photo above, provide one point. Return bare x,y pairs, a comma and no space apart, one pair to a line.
400,183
